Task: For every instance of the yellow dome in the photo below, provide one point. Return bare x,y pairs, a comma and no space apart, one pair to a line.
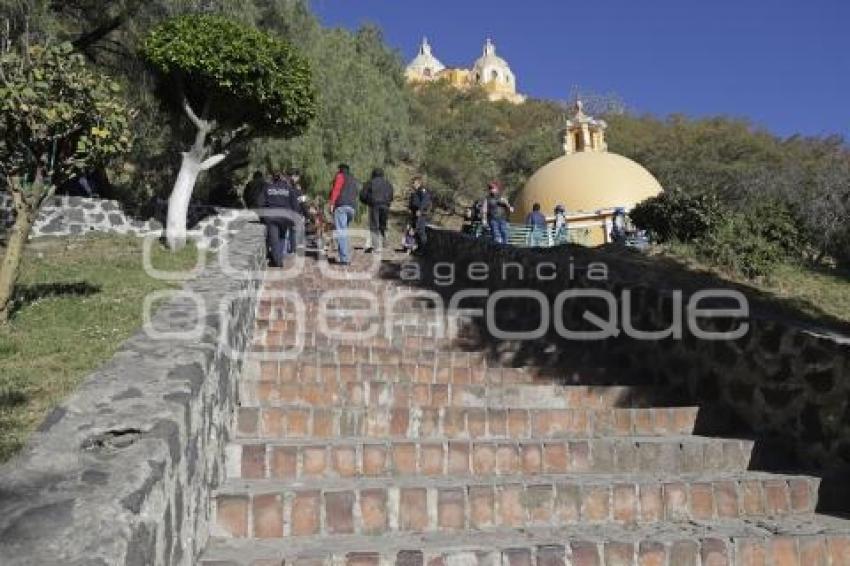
586,182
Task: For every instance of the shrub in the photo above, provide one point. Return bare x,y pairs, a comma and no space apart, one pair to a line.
739,244
674,215
750,242
774,221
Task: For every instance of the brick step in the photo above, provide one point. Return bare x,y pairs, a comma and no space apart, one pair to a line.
313,280
364,314
447,325
364,457
394,339
774,542
391,356
267,421
387,393
439,366
285,309
273,509
303,371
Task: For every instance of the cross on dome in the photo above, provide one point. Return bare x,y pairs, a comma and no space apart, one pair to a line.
489,47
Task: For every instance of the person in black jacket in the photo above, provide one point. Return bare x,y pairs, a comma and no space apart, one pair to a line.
378,194
278,196
293,177
496,210
420,206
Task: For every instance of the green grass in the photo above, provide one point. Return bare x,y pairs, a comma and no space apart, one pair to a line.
822,293
817,292
79,298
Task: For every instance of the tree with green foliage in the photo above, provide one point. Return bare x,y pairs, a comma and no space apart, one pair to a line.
109,35
363,118
465,140
59,119
245,83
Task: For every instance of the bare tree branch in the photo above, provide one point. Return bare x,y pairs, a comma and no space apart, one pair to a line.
89,38
240,134
187,108
213,161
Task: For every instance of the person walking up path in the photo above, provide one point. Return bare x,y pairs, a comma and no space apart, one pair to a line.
342,201
293,176
420,205
378,194
283,204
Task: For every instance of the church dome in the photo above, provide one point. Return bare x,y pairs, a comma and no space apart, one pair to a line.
492,69
588,178
587,182
424,66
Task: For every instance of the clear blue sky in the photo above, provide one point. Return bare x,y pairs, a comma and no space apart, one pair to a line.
782,64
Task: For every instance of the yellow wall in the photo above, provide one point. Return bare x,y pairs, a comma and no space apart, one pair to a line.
458,78
596,226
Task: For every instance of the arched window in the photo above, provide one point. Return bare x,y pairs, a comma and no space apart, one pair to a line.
494,75
426,72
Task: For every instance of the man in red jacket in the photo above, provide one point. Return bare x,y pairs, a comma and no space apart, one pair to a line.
343,200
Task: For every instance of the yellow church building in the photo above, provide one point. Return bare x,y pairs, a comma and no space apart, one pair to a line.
490,72
588,180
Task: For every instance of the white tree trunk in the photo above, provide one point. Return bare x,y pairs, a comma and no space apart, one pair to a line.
178,202
191,166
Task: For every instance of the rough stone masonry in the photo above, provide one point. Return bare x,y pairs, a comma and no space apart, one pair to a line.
121,472
75,216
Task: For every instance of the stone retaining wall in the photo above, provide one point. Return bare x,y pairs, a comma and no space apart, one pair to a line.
71,216
784,383
121,472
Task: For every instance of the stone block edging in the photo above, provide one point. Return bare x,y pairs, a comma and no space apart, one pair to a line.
75,216
120,473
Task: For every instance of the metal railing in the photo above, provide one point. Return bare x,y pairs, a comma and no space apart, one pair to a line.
523,236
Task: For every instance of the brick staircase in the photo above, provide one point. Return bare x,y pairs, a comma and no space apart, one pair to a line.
412,450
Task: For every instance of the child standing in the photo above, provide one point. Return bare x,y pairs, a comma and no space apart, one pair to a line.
409,241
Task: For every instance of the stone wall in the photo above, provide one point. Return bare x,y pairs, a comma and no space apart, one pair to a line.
71,216
120,473
786,383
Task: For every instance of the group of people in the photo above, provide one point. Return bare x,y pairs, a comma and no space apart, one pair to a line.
284,193
377,194
538,226
492,213
283,204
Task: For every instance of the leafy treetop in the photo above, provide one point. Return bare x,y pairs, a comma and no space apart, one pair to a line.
58,117
242,75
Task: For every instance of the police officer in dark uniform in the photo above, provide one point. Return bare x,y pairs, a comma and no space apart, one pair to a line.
278,195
